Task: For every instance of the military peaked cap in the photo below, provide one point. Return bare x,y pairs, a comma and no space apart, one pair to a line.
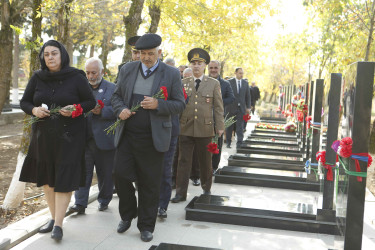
148,41
132,40
198,54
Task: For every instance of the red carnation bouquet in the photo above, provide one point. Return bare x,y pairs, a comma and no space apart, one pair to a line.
99,104
54,112
212,146
246,117
162,94
77,110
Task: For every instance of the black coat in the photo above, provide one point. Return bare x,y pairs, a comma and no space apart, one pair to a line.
56,152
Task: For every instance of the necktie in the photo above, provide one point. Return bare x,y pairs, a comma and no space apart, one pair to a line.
197,81
148,72
239,86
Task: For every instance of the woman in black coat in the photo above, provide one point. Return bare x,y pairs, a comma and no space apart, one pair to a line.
55,159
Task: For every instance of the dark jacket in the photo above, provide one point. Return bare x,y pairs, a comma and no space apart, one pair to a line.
243,97
161,124
226,91
107,117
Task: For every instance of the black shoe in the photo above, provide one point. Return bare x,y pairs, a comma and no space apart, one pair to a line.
228,146
47,227
77,209
178,198
146,236
196,182
162,213
207,192
57,233
102,207
123,226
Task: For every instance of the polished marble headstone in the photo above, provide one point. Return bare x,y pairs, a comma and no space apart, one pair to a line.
355,122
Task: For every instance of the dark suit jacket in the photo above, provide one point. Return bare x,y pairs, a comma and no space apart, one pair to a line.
226,91
161,125
243,98
105,119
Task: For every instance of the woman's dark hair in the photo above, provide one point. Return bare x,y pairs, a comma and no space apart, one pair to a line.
64,54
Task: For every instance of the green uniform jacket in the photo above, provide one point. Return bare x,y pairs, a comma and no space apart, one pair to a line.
204,109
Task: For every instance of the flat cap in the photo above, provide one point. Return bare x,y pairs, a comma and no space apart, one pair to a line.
148,41
198,54
132,40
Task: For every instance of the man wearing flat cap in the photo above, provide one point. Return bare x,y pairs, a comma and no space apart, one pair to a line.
136,54
143,136
202,118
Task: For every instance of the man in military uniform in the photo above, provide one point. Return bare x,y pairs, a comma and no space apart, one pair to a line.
136,54
202,118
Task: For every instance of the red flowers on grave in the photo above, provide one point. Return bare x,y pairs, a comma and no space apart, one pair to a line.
246,117
212,147
77,110
343,149
299,116
308,121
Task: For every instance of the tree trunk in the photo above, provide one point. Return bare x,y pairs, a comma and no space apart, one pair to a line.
106,43
15,193
154,12
132,22
92,50
369,40
36,32
16,60
6,48
63,35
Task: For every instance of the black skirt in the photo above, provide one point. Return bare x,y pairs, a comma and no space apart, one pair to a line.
56,155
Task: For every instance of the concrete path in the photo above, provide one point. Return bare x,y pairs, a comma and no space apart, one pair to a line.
97,230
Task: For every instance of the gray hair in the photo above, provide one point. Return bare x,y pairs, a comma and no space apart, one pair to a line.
170,61
187,71
97,60
217,62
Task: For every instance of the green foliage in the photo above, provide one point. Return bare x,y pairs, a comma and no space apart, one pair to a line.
16,29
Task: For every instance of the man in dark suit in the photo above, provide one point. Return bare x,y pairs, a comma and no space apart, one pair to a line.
239,107
214,68
100,148
255,96
143,136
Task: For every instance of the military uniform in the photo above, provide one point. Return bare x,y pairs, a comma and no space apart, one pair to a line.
204,109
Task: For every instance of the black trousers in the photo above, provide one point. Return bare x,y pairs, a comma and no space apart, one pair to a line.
216,157
138,157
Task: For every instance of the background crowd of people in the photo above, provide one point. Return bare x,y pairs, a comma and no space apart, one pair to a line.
74,109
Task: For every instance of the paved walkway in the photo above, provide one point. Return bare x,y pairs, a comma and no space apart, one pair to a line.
97,230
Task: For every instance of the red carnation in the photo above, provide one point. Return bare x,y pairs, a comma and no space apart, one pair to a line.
321,156
345,148
212,147
246,117
185,95
165,92
77,110
299,116
101,104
